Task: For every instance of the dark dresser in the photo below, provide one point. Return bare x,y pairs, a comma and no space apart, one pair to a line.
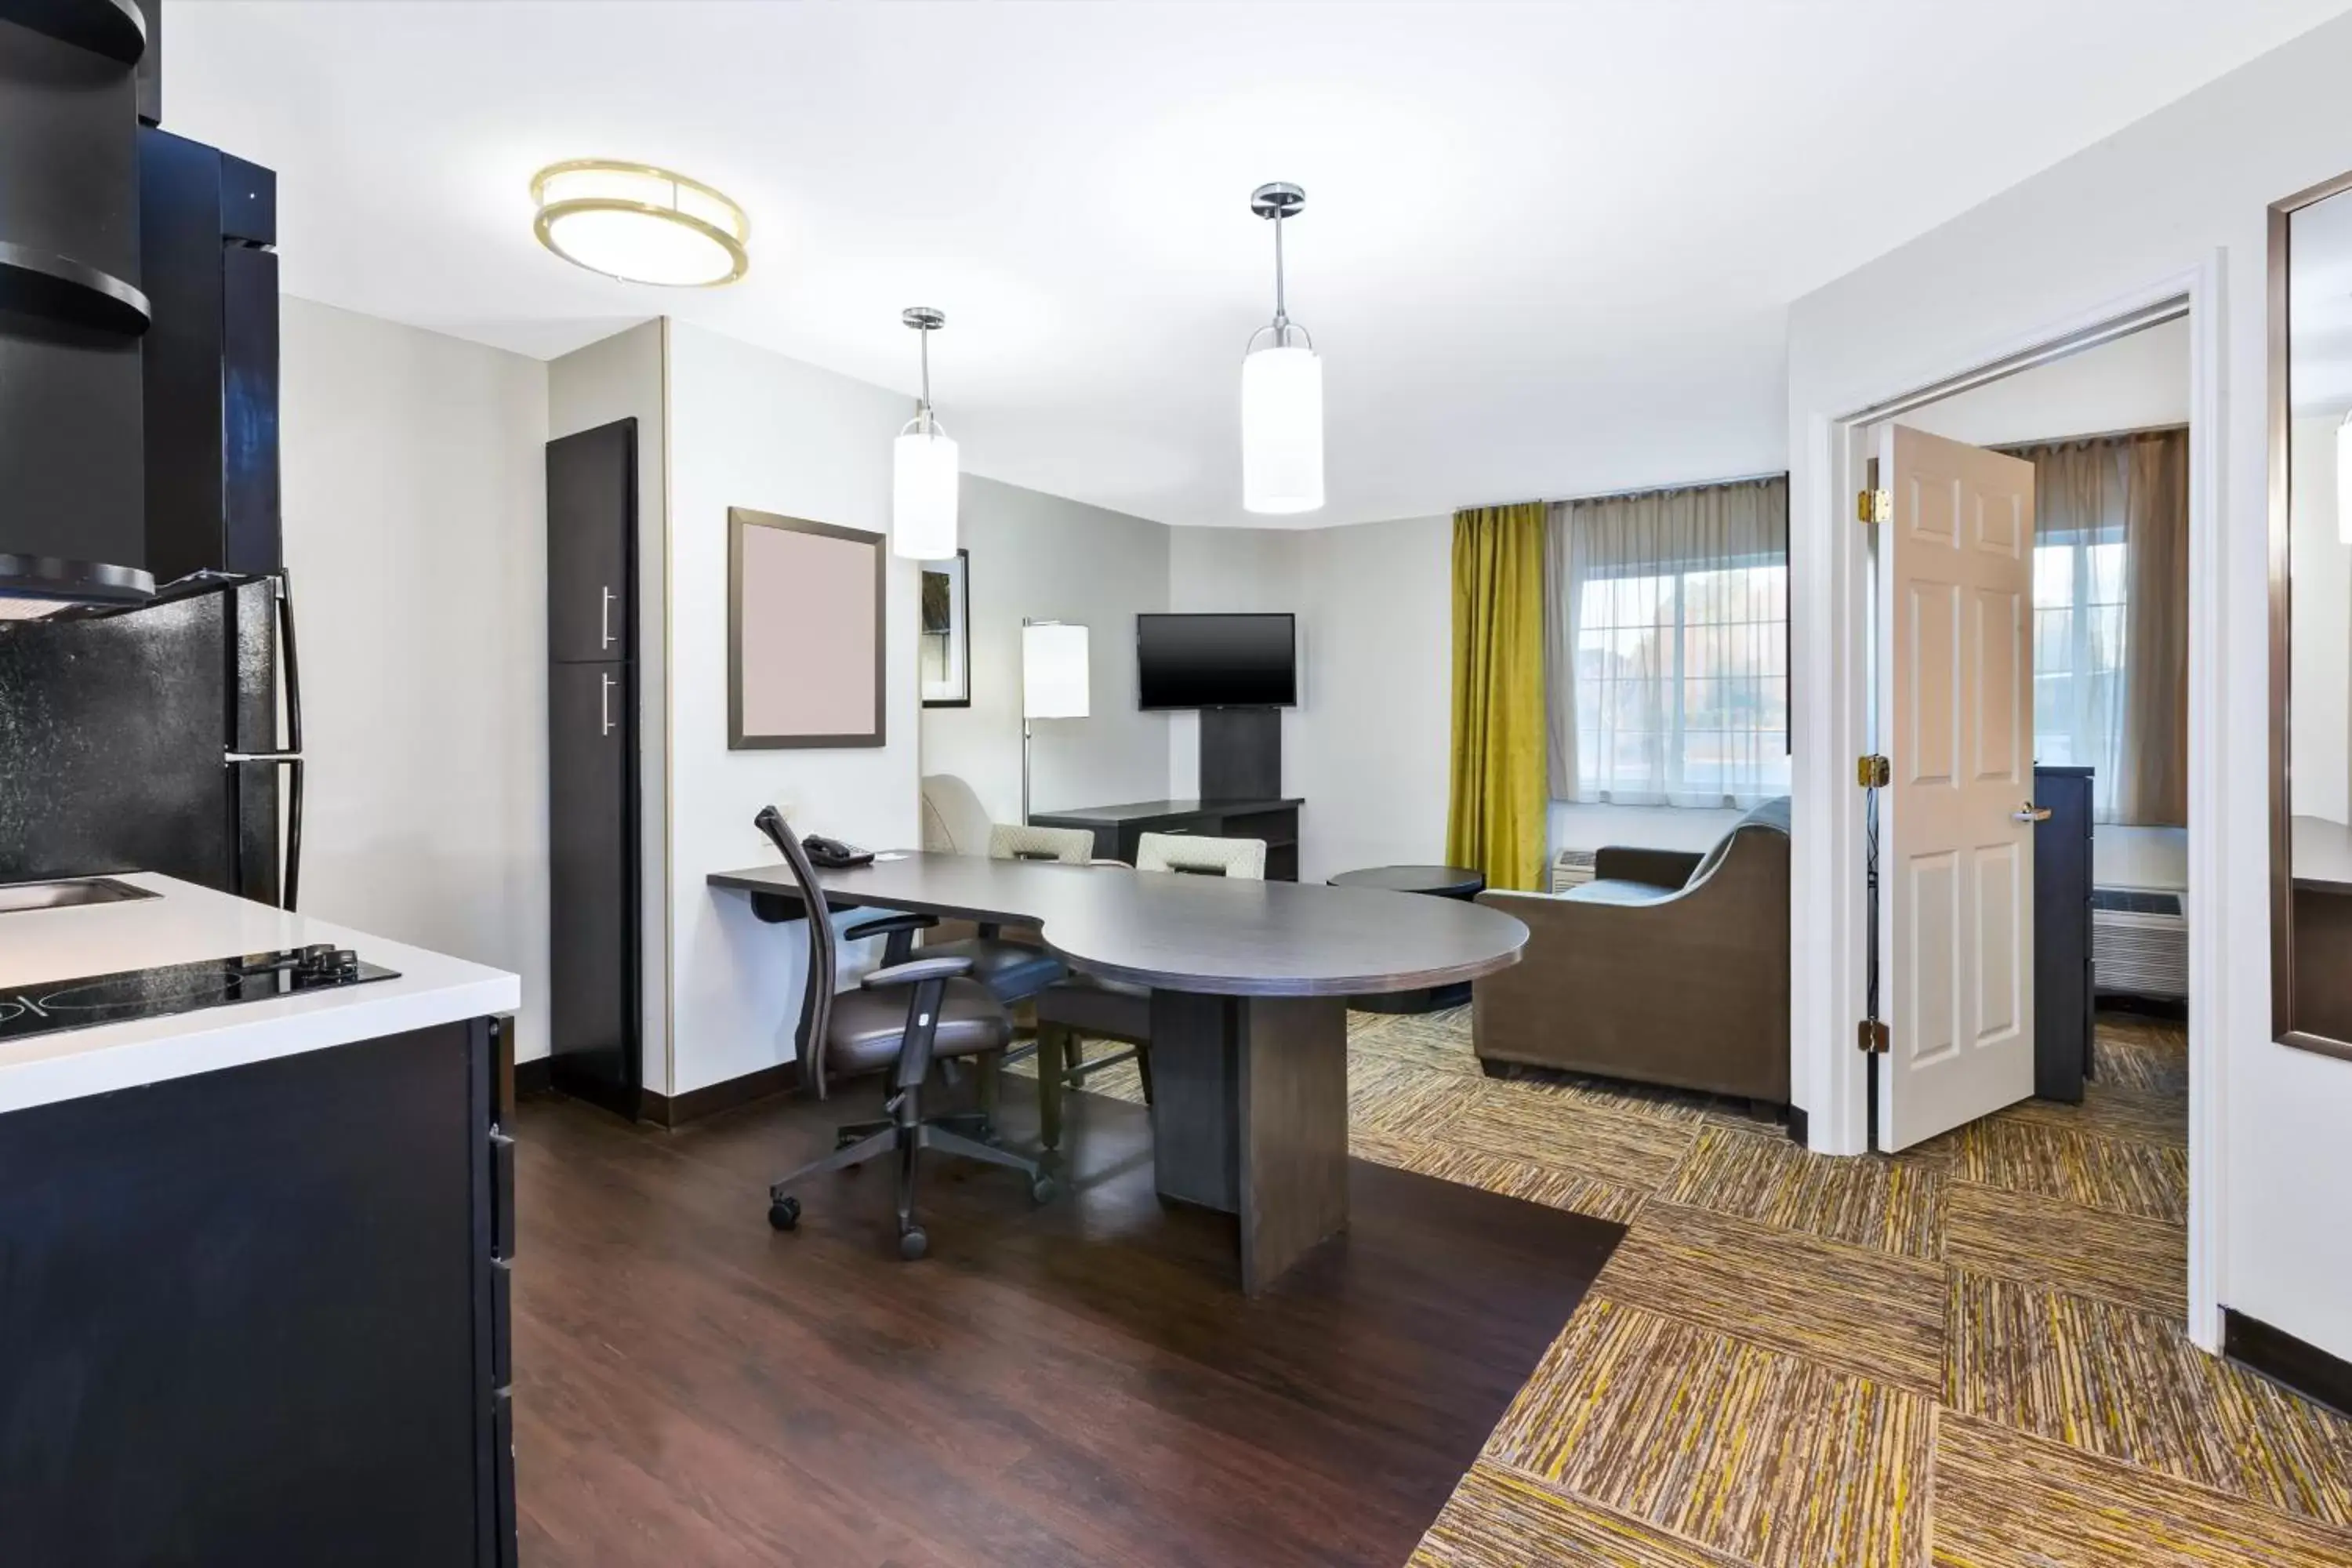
1117,828
2064,1000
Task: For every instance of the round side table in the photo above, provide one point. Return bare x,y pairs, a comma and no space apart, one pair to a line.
1432,881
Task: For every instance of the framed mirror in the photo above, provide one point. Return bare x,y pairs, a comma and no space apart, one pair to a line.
2310,398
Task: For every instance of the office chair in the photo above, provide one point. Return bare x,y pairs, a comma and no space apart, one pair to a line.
945,1016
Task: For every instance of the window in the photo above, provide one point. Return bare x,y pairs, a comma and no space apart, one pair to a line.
2080,619
1682,685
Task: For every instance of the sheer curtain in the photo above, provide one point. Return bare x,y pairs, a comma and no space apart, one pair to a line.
1666,641
2111,618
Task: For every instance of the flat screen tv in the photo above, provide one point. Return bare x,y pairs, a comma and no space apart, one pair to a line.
1217,662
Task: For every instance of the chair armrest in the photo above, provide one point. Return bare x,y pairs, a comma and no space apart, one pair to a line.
890,925
915,972
1658,868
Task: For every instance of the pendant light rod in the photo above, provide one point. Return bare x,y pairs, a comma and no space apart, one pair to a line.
925,321
1277,201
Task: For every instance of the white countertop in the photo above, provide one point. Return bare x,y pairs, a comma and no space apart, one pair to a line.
186,925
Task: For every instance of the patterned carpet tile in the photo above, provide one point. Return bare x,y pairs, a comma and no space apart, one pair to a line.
2141,1263
1893,1205
2004,1501
2128,1385
1403,1101
1620,1147
1499,1519
1438,1042
1612,1094
2147,1054
1495,1173
2111,1111
1769,1459
1871,1314
2149,1180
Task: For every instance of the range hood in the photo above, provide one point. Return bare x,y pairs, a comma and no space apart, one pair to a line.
36,587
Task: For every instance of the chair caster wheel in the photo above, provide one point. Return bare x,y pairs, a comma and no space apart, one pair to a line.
785,1213
913,1244
1042,1189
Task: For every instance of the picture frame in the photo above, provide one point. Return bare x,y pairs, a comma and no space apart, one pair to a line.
806,622
943,632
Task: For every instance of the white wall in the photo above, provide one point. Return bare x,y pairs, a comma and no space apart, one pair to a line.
414,535
2136,383
2321,679
622,377
750,428
1213,570
1045,558
2154,202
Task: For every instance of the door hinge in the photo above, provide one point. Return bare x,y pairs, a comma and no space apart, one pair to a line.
1874,506
1873,1036
1872,771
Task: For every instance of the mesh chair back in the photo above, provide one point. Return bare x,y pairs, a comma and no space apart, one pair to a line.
816,995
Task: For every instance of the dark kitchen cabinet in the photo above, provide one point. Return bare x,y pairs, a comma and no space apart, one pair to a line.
2064,999
591,546
596,1017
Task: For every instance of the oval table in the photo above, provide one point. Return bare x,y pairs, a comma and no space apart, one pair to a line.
1249,1017
1461,883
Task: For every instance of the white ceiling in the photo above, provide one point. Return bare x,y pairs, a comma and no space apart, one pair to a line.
1545,249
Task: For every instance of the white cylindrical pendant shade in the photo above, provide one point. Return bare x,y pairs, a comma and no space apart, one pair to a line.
1282,430
923,496
1053,671
2344,480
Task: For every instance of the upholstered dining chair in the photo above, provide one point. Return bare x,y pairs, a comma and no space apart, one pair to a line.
944,1016
1085,1007
1244,857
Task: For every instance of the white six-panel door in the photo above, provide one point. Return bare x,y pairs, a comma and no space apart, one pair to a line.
1955,721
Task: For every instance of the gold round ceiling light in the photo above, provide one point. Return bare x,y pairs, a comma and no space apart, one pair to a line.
640,224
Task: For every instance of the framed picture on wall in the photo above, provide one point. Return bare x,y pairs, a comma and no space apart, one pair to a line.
804,633
945,660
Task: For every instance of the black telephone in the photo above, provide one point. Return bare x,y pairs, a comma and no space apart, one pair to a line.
834,854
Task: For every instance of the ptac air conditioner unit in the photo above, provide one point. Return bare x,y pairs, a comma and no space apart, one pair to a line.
2139,944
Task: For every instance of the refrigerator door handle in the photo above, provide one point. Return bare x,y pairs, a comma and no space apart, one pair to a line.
604,704
604,621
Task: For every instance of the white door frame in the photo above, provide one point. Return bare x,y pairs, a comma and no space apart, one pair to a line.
1831,587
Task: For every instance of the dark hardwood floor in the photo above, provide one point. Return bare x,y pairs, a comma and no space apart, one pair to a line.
1078,1383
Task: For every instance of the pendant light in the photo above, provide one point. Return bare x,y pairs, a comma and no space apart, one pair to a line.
923,467
1282,391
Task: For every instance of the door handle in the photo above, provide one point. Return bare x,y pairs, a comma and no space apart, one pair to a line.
2031,813
604,704
604,620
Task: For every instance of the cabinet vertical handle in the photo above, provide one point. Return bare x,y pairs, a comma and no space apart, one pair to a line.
604,620
604,703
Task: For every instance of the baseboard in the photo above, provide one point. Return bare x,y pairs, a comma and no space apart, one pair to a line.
534,1078
665,1110
1800,1132
2287,1361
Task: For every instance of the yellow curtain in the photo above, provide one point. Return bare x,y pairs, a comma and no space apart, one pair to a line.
1496,821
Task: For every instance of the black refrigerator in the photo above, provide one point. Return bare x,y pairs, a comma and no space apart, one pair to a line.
164,738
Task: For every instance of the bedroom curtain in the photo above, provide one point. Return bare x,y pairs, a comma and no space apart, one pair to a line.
1666,627
1496,819
2111,618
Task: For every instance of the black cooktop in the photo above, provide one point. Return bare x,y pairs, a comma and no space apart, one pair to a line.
179,988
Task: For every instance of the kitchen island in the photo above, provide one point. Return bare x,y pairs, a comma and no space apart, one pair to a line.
252,1251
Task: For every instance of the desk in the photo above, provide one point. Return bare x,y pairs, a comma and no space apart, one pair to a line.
1249,1017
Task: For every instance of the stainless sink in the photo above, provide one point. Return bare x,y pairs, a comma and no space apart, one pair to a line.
66,894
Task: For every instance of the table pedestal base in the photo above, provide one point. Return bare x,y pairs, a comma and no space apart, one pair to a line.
1250,1117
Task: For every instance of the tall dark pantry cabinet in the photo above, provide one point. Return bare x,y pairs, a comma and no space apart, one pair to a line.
591,756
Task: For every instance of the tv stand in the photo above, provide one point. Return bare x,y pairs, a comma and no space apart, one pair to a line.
1117,828
1241,753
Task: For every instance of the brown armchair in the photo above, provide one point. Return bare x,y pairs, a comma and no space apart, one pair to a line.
1667,968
